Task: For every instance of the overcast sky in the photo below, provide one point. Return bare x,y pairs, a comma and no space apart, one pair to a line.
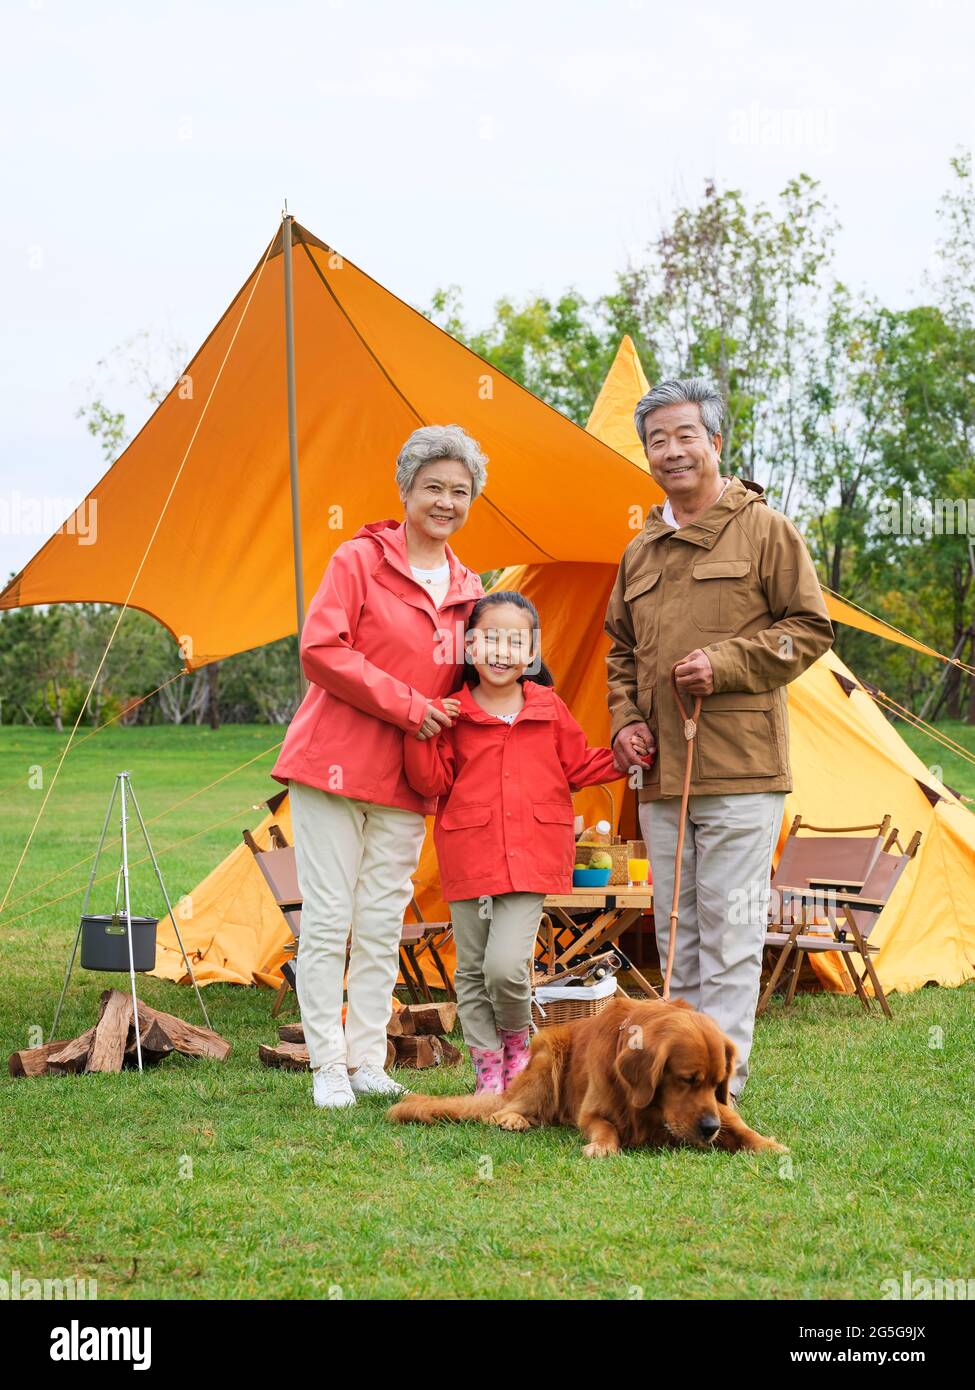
514,147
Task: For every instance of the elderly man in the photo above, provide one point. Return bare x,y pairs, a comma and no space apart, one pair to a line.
722,587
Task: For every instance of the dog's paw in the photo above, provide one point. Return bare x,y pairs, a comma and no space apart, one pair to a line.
510,1120
768,1145
599,1150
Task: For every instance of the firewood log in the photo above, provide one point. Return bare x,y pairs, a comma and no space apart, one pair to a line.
430,1018
111,1034
289,1056
72,1056
33,1061
153,1038
291,1032
187,1037
419,1052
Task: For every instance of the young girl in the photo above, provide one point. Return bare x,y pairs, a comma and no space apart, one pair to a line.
504,773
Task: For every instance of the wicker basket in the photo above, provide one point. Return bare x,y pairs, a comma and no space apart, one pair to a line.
617,849
618,852
584,1002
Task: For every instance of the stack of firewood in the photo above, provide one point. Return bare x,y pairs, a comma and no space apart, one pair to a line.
415,1037
110,1044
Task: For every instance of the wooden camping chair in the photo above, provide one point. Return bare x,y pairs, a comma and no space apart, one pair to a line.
281,875
851,916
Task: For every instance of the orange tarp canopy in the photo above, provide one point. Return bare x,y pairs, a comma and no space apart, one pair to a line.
219,570
192,523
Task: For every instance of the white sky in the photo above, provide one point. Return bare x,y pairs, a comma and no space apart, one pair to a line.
512,147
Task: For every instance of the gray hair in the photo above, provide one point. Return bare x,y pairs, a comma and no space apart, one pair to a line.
432,442
692,390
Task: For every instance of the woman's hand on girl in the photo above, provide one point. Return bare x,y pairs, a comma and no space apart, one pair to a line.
437,718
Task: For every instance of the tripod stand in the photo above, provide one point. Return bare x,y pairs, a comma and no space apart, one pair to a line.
123,788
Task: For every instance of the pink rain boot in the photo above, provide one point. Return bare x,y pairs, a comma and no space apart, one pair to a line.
516,1053
488,1070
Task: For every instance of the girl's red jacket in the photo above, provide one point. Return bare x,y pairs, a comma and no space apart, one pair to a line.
504,818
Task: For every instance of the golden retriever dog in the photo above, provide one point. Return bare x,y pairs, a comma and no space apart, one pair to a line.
635,1075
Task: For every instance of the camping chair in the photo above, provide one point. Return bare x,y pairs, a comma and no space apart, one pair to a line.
851,916
281,875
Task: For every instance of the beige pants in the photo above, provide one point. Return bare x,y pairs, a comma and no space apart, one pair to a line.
355,863
495,940
723,907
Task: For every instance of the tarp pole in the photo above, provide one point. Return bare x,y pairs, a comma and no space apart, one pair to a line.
289,347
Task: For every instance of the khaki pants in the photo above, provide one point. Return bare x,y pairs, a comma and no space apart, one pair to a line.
355,863
723,907
495,940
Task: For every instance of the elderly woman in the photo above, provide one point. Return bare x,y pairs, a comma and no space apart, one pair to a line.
380,649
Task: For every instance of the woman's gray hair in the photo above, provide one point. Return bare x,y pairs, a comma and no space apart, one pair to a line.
432,442
693,390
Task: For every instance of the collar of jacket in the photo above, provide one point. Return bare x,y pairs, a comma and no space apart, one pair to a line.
390,535
739,493
539,704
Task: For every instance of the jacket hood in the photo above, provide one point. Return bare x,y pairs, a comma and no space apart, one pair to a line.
390,537
740,493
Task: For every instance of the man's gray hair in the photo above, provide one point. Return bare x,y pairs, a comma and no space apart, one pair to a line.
432,442
693,390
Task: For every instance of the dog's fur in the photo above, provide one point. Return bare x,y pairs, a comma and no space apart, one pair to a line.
636,1074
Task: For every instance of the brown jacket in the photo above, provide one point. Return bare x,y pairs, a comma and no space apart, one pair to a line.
739,584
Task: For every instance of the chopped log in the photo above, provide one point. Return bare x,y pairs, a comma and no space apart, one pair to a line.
451,1054
187,1037
291,1032
32,1061
400,1025
289,1056
72,1056
420,1052
430,1018
390,1053
155,1041
111,1034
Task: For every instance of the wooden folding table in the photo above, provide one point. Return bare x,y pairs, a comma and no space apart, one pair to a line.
616,910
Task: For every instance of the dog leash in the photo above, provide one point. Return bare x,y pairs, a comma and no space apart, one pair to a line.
690,733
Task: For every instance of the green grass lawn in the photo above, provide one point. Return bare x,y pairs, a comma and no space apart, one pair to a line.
201,1180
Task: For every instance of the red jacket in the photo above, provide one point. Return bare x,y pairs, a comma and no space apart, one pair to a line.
376,651
504,821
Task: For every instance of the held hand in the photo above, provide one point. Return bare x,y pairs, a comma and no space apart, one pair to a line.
634,745
436,719
694,674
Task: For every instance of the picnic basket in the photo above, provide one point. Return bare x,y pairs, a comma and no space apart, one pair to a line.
617,849
565,1003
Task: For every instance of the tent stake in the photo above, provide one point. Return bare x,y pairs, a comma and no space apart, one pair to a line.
289,346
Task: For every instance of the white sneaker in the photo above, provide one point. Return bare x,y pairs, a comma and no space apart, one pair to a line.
369,1080
330,1087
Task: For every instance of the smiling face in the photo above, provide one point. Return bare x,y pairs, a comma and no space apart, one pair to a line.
682,459
439,500
502,645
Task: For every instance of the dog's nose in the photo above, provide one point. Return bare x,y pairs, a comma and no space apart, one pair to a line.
709,1126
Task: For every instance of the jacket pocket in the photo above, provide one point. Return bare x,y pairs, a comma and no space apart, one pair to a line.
553,813
736,737
465,817
644,609
640,584
719,592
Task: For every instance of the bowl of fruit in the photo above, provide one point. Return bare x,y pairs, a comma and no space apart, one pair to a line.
595,874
